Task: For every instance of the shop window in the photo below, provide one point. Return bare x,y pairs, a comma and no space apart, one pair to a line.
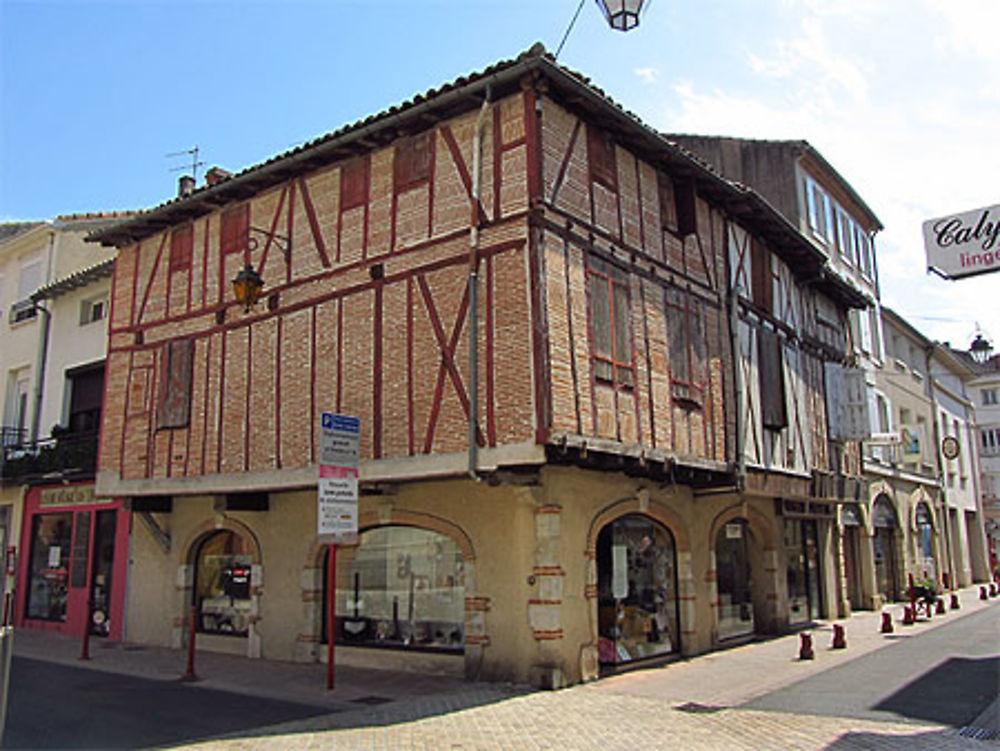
222,573
48,575
687,346
174,410
181,248
412,161
601,154
772,380
235,229
610,324
733,576
637,591
401,587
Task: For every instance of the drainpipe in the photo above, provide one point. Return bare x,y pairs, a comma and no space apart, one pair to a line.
945,519
477,160
43,344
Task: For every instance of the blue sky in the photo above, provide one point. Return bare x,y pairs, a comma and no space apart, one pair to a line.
901,96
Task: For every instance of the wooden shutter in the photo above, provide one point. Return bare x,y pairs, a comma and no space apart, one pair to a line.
412,161
760,272
174,409
354,184
668,205
235,229
181,248
687,208
772,380
601,153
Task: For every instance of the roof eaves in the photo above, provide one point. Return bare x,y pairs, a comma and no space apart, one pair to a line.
77,279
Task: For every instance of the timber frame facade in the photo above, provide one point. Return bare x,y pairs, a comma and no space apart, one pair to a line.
633,314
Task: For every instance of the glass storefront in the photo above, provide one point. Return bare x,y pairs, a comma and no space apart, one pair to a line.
49,561
925,541
850,518
637,591
401,587
103,567
732,562
803,572
884,548
222,584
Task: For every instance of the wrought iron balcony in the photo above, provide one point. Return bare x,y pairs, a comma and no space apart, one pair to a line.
69,456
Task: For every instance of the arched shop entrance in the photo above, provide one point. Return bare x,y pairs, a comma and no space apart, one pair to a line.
926,561
852,524
401,587
885,524
803,570
637,591
223,563
733,580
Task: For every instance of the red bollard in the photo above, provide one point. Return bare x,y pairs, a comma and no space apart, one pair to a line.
939,606
839,641
189,674
955,604
806,647
993,590
886,623
85,649
982,594
908,616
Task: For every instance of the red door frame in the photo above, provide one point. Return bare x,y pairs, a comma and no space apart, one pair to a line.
76,604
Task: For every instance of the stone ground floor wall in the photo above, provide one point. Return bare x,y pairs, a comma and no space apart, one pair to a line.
529,569
12,513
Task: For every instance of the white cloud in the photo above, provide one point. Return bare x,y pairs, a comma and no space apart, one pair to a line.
648,75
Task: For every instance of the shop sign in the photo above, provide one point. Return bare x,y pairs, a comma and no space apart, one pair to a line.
850,515
963,245
910,436
950,447
734,531
76,495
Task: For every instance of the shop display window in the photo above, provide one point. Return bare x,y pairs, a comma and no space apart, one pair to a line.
222,584
637,591
48,577
401,587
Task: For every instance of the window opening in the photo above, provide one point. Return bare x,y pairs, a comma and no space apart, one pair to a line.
610,322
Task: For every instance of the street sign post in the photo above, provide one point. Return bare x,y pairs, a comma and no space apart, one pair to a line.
337,504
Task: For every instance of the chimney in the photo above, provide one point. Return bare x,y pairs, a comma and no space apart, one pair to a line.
217,175
185,186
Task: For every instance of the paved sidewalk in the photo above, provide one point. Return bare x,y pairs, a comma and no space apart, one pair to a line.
382,709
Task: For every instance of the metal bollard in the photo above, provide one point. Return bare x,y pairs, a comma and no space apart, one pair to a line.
806,647
839,641
886,623
955,604
189,674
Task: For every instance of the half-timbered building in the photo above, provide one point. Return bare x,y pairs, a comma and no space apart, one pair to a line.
558,494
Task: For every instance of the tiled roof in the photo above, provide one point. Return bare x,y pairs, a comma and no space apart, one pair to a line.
12,229
77,279
461,95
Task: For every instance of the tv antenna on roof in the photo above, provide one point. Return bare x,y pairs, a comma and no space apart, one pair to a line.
195,162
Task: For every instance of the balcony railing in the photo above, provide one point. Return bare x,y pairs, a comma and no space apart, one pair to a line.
65,457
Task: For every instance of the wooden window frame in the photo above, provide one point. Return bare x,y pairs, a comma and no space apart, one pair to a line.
354,183
604,277
601,159
688,378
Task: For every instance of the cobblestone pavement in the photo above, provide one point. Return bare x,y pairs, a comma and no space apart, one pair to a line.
688,705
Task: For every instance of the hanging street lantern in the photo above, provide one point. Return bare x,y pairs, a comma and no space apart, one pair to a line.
247,286
622,15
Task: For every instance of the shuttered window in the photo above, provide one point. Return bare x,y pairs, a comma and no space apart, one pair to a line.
354,184
235,229
687,344
760,271
181,248
772,380
610,324
412,161
174,408
601,153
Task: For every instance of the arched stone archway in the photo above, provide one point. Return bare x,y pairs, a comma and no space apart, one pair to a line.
250,549
638,508
887,547
475,636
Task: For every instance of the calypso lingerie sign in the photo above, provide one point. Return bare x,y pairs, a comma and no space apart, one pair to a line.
964,244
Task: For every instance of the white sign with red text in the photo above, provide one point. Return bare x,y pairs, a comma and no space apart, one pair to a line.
337,497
